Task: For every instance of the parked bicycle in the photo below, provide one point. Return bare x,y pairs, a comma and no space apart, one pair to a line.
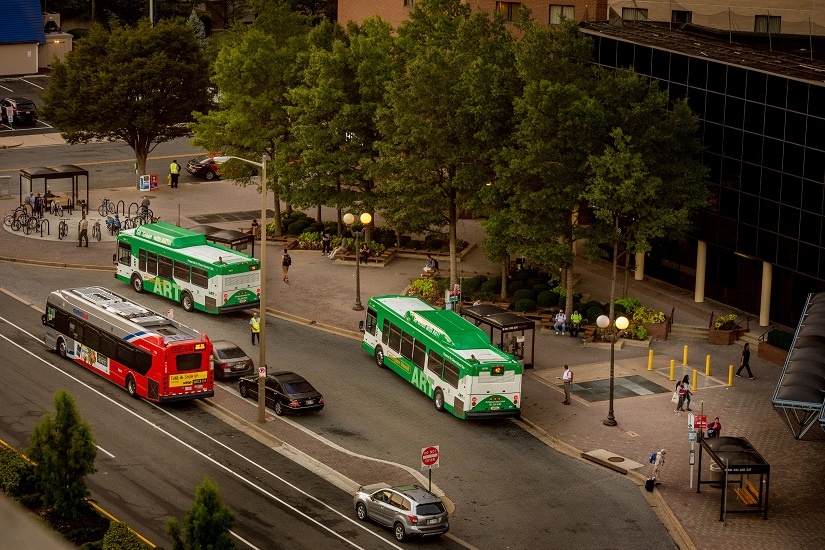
113,225
63,229
106,207
36,225
56,209
96,230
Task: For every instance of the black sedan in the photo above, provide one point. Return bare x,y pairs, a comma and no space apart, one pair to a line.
230,360
286,392
203,167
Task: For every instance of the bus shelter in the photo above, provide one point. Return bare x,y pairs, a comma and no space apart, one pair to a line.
501,323
236,240
742,467
45,173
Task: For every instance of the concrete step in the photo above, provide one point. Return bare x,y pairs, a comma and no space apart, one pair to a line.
751,338
688,331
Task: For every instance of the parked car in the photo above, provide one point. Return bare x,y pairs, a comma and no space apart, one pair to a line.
24,110
286,392
230,360
203,167
410,510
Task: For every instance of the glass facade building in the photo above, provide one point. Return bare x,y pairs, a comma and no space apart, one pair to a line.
764,145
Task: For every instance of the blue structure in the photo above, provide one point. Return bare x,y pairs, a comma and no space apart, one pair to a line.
21,22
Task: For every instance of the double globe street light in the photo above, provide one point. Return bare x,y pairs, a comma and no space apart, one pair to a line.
349,219
621,323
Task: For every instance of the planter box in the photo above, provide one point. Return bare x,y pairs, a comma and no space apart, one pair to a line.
635,343
657,331
722,337
775,355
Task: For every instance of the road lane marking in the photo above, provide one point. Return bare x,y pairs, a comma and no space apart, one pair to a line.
105,451
118,161
243,540
32,83
206,457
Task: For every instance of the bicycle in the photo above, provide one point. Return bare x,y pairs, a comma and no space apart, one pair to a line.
96,230
146,215
35,225
20,219
106,207
56,209
63,229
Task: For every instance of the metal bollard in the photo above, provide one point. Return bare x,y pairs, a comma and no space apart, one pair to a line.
650,360
685,357
707,365
673,370
730,375
695,380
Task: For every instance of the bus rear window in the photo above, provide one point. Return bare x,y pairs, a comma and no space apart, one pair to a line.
188,361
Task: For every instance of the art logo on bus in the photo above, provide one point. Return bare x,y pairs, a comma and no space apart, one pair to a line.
92,358
165,288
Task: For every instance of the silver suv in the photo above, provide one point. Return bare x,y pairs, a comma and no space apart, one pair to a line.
410,510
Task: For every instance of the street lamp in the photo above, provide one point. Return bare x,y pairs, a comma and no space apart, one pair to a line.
621,323
349,219
262,298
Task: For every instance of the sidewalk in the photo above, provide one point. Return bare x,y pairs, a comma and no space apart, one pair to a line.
322,293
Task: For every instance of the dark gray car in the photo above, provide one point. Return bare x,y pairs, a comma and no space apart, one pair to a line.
410,510
230,360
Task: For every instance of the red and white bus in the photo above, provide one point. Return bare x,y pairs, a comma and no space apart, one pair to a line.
152,356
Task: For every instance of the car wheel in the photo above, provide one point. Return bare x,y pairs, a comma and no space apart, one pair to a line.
438,399
398,531
243,390
279,409
361,511
379,356
187,302
131,387
61,347
210,175
137,283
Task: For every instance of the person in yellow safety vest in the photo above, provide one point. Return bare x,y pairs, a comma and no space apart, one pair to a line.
255,325
174,171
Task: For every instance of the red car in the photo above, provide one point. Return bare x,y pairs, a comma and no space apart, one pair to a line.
203,167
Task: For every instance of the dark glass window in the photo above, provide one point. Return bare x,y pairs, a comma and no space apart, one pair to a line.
772,154
749,210
815,133
181,272
751,175
124,254
766,246
787,252
450,375
142,259
788,222
372,321
757,85
731,172
717,77
435,362
808,261
108,346
791,190
188,361
678,68
661,65
395,337
164,267
714,164
385,332
696,101
775,122
812,196
754,117
607,52
746,243
733,144
729,203
752,148
698,74
677,91
793,160
624,54
816,103
125,355
200,277
151,263
727,233
795,127
75,329
91,338
143,362
810,226
736,81
769,215
777,91
771,185
406,346
715,108
734,112
419,354
797,96
681,17
814,164
642,60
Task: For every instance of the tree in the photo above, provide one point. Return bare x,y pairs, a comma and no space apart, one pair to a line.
64,451
206,525
140,85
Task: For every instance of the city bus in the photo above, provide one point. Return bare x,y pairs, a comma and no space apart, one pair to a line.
148,354
181,265
443,355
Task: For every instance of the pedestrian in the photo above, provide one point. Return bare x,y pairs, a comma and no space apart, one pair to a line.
744,362
255,229
681,390
325,240
658,464
567,378
561,322
286,261
715,428
688,393
431,266
255,326
364,252
575,323
84,232
38,206
174,171
342,247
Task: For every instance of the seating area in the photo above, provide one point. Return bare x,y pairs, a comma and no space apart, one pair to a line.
748,494
800,393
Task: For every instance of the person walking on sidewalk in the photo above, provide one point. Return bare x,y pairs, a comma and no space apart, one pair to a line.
255,326
325,242
567,378
84,232
286,261
681,390
688,393
657,466
174,171
745,361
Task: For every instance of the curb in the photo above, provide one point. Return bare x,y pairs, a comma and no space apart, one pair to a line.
44,263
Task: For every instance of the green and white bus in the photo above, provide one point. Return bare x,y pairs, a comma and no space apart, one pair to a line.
443,355
181,265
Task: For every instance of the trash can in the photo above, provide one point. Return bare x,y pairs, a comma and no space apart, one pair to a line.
716,477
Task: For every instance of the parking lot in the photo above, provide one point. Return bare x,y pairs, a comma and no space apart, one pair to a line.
33,87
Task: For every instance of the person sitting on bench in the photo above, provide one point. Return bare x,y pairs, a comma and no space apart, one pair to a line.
364,252
432,265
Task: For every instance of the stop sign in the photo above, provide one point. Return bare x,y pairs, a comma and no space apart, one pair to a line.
429,457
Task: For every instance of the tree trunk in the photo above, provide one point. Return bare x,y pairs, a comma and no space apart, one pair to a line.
453,220
568,304
626,271
276,199
319,213
141,153
505,271
339,221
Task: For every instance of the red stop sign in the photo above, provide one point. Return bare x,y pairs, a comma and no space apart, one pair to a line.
429,456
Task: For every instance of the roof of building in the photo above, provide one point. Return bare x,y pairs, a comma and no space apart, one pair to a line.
21,22
731,49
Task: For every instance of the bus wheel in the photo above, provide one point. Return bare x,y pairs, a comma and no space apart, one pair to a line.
379,356
137,283
61,347
187,302
438,399
131,387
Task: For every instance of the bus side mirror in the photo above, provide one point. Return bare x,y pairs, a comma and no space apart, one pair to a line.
43,318
361,326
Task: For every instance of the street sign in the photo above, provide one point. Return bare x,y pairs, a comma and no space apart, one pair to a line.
429,457
696,421
692,436
261,372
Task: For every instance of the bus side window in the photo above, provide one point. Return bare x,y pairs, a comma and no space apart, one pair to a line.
419,354
124,254
151,263
92,338
181,272
200,277
142,259
395,337
385,332
108,346
450,374
76,329
371,322
164,267
406,346
435,362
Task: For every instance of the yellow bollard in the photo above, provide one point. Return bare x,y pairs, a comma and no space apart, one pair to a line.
695,380
673,370
707,365
684,358
730,375
650,360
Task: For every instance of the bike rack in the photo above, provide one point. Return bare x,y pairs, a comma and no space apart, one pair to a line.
137,209
45,222
120,207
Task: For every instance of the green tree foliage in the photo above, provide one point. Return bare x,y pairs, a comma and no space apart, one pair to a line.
256,67
448,111
139,85
206,525
120,537
199,29
64,451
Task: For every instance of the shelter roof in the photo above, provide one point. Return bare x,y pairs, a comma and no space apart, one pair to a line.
21,22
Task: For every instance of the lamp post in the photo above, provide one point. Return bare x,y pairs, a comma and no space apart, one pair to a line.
349,219
262,298
621,323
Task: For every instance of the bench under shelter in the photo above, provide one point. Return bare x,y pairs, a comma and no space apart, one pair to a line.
499,322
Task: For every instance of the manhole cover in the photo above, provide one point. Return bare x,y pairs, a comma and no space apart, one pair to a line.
615,459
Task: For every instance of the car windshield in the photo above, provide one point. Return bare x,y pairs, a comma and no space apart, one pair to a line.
203,160
298,387
429,509
230,353
25,105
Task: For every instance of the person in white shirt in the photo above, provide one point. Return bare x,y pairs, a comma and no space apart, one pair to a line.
567,378
561,322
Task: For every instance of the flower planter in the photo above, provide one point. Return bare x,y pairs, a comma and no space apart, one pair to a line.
775,355
657,331
722,337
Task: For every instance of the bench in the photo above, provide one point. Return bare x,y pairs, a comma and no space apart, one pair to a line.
748,494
